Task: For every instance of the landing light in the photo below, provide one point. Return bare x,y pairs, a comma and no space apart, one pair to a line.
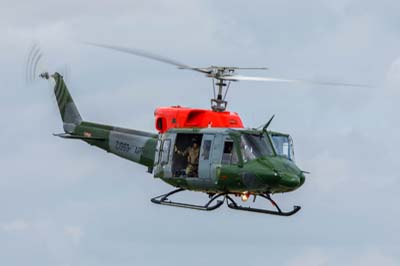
245,196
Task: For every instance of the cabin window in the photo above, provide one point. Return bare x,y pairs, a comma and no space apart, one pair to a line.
229,155
165,151
205,152
157,155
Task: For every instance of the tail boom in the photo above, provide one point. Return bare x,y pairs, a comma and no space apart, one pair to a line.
134,145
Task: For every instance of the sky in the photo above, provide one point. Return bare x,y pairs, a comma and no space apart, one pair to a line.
67,203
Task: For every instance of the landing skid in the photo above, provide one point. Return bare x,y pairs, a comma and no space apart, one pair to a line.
163,200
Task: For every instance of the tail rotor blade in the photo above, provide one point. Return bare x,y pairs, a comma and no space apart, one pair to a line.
33,63
36,65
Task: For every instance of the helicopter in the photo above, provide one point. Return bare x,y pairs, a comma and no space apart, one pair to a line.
199,150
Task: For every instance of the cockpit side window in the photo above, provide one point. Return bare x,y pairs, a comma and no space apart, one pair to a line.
229,155
283,145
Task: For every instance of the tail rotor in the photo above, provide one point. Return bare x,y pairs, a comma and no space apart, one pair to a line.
37,66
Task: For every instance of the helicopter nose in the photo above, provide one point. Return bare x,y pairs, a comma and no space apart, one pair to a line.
290,180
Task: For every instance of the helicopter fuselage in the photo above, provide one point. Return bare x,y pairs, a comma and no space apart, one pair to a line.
229,160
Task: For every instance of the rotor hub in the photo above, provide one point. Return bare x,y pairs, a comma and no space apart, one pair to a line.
220,86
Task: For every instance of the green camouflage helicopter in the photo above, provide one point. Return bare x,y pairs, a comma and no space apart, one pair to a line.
201,150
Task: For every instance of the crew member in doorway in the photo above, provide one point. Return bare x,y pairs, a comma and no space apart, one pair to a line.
192,155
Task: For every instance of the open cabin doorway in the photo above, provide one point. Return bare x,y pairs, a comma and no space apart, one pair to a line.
186,155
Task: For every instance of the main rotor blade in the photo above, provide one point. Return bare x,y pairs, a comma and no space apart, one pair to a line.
268,79
148,55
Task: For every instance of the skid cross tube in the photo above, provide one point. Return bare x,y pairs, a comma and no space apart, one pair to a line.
163,200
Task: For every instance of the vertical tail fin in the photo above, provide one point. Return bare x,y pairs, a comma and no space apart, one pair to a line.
68,110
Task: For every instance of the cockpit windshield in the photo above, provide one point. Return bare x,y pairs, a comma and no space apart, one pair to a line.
283,145
254,146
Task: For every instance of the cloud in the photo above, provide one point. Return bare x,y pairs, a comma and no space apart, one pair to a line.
313,257
367,256
93,208
375,257
74,232
15,226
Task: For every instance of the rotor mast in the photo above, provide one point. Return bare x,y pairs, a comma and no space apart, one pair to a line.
218,104
220,87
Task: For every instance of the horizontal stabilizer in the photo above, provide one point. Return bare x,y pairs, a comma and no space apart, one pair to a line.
69,136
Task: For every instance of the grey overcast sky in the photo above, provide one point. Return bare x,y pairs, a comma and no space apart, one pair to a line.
66,203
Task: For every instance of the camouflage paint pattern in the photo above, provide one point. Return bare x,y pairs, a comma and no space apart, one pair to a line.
271,174
134,145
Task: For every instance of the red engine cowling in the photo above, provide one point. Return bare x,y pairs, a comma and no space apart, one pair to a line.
183,117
